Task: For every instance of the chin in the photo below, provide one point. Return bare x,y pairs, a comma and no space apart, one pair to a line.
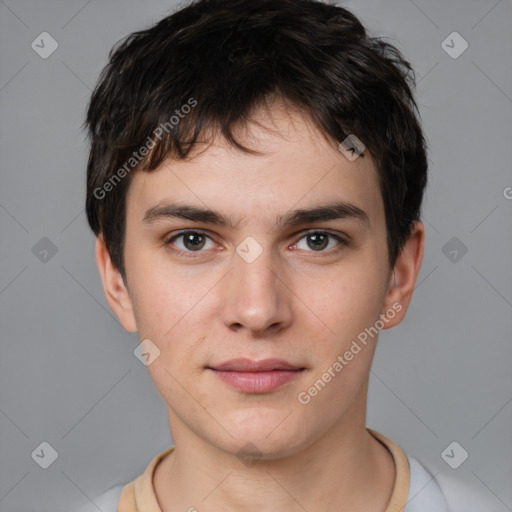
271,433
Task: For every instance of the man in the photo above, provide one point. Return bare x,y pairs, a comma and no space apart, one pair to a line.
255,183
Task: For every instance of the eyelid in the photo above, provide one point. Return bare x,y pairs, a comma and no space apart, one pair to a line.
335,234
186,232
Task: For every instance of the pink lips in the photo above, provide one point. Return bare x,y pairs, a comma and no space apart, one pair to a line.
256,376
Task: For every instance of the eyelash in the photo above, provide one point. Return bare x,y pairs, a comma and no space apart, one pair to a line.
195,254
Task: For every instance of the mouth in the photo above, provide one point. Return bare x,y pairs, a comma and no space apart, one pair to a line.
256,376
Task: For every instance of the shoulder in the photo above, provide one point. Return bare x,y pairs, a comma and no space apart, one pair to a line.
463,497
124,497
442,492
106,502
424,491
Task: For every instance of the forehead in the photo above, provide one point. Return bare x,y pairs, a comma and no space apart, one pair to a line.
297,168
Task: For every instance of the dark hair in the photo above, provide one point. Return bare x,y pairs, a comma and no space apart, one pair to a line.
215,61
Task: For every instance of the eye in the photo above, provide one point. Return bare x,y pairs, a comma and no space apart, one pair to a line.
191,241
320,240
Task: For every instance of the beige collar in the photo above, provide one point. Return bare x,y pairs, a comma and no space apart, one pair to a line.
139,495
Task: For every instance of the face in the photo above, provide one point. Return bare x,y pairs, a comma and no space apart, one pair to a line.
289,263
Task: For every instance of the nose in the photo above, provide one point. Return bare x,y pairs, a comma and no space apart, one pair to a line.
256,296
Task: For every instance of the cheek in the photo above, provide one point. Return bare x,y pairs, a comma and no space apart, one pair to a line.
161,296
171,314
345,299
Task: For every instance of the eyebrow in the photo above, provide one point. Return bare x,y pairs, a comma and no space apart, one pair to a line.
332,211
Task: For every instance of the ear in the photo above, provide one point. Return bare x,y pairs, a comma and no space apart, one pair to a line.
115,289
403,277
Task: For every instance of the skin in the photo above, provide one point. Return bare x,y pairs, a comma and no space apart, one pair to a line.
295,302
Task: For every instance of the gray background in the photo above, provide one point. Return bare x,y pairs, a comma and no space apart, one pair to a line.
67,370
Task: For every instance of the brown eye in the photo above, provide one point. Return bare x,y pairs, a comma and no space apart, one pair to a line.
318,241
193,241
190,241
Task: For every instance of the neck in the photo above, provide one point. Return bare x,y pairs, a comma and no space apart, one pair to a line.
345,469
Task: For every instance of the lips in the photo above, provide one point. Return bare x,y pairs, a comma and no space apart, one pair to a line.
246,365
256,376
